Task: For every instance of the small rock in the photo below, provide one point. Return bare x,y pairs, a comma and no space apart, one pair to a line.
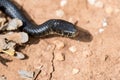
104,22
63,3
99,4
19,55
73,49
24,37
71,19
26,74
91,2
75,71
101,30
59,56
59,13
59,44
108,9
14,24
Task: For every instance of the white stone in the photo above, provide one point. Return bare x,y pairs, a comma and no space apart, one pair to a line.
91,2
73,49
59,13
101,30
63,3
108,9
75,71
104,22
99,4
24,37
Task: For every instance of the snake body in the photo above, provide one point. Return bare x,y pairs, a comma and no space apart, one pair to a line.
52,26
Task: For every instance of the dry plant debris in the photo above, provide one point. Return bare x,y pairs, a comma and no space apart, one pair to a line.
9,40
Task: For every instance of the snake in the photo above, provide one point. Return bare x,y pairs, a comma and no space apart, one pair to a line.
51,26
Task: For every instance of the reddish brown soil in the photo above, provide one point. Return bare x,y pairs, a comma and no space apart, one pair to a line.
96,58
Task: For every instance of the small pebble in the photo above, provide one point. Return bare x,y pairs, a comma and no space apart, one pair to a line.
71,19
24,37
91,2
99,4
73,49
75,71
59,56
14,24
104,22
101,30
59,44
63,3
26,74
59,13
108,9
19,55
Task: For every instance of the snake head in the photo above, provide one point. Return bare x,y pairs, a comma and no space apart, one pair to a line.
64,28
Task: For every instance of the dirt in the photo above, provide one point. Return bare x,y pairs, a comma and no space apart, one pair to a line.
96,52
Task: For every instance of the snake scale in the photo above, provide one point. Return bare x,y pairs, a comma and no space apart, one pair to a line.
52,26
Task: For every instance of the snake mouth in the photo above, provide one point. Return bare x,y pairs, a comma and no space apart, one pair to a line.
71,34
75,34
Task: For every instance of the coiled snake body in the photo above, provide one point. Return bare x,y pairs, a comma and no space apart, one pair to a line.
52,26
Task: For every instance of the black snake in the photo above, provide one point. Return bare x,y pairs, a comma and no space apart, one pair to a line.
52,26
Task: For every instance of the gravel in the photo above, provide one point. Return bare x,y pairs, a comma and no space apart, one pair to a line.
73,49
63,3
59,13
75,71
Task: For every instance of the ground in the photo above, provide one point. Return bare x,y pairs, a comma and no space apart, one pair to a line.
93,55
